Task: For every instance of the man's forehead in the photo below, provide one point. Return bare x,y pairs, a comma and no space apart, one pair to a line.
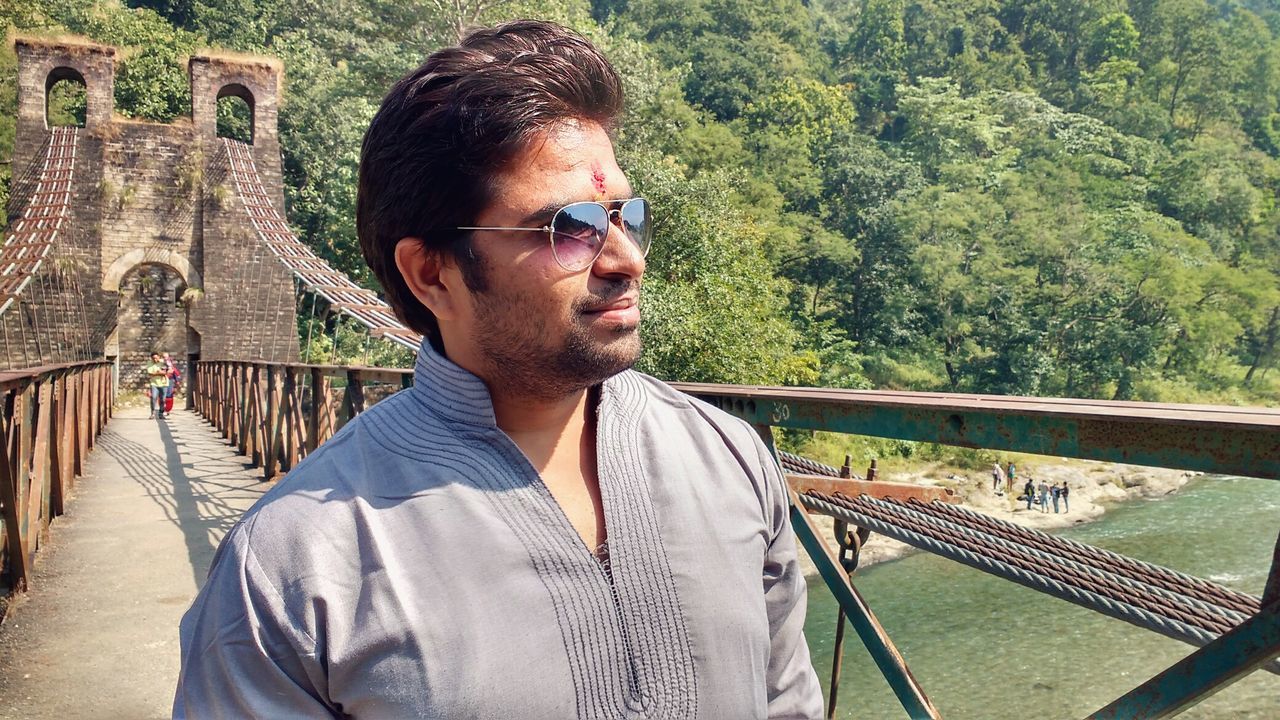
578,160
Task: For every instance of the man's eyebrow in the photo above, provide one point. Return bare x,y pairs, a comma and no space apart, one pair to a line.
543,213
546,211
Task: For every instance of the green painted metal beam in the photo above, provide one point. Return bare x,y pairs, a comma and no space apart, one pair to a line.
1211,439
883,652
864,622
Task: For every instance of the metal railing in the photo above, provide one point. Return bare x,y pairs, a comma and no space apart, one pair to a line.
276,413
51,419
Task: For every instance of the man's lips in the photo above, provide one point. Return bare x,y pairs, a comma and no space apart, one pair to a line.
624,309
621,303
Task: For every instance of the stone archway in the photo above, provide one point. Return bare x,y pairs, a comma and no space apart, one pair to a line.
112,276
152,317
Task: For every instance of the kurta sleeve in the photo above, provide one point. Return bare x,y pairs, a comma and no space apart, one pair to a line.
242,656
793,689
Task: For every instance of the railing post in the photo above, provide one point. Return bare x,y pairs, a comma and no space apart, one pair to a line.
249,427
57,443
271,424
292,414
17,542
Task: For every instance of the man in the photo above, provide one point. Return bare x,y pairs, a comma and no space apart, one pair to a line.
1043,487
1030,491
157,385
532,530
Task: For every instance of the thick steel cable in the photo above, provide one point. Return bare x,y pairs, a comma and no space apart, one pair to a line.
1231,616
1096,552
1117,609
1144,573
1158,575
806,465
1020,558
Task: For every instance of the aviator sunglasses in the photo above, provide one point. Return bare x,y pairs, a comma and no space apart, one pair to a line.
578,230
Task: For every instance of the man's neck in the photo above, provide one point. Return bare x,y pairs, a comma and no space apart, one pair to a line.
522,415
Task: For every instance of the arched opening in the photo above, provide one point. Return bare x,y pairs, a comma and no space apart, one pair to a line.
65,98
151,318
235,113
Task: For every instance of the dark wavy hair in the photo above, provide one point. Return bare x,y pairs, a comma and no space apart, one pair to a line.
445,130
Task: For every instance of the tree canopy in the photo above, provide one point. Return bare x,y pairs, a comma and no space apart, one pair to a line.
1058,197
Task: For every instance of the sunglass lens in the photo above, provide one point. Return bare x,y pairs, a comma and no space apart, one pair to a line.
577,234
638,222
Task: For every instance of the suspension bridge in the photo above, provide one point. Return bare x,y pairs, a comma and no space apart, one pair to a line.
124,237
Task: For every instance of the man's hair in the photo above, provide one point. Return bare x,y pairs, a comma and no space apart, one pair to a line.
446,129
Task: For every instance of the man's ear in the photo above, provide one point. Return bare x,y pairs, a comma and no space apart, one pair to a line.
426,273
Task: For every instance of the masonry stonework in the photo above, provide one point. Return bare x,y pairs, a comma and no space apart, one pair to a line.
151,207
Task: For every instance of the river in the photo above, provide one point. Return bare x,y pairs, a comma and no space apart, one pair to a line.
988,649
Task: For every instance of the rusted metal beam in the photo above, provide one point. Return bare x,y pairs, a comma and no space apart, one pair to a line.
802,483
1202,673
1204,438
873,635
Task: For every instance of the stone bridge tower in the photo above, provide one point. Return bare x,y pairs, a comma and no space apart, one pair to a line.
158,250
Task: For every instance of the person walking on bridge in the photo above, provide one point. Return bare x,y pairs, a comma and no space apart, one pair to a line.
533,529
157,385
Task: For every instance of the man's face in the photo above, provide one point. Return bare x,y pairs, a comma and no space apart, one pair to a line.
155,358
538,328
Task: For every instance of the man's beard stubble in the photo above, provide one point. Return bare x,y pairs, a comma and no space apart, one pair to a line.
519,355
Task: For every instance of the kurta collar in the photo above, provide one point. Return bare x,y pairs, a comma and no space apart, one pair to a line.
450,392
456,395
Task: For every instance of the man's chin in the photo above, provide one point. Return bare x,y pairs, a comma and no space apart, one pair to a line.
604,357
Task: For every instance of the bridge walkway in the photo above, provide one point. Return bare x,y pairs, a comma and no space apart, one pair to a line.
97,635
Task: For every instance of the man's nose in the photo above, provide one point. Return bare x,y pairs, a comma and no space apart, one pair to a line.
621,256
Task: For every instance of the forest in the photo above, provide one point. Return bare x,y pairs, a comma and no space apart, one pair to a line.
1038,197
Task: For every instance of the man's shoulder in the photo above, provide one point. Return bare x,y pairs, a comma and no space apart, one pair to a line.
365,462
696,409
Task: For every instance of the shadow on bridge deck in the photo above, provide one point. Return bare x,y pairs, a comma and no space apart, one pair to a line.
97,636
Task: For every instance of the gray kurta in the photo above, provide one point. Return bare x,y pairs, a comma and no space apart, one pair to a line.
416,566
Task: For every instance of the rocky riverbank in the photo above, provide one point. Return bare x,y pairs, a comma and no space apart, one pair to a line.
1094,487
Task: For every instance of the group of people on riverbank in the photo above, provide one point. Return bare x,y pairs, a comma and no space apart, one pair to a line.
1039,494
163,378
1044,493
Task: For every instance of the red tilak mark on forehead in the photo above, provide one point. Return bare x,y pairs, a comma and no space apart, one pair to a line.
597,177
